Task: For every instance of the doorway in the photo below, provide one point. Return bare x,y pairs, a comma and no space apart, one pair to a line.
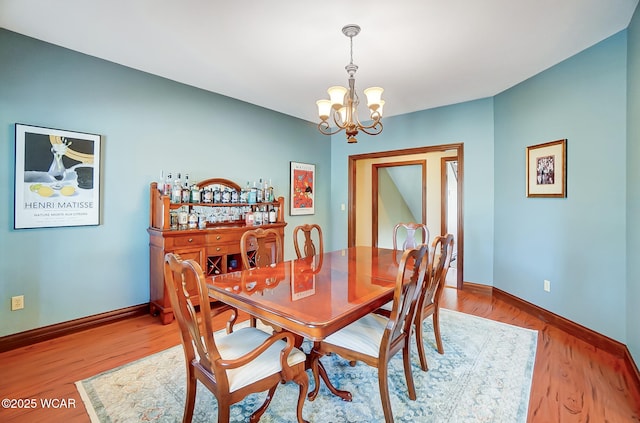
441,212
398,196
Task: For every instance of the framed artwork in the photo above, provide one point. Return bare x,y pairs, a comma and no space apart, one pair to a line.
547,169
303,180
57,178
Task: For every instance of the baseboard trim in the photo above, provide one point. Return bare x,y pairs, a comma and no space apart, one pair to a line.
22,339
590,336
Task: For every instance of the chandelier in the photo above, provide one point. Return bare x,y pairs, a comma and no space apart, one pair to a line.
342,107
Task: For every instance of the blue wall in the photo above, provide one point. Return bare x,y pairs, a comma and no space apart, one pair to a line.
633,188
578,242
470,123
148,124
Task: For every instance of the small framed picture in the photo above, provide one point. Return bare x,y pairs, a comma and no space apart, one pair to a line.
303,180
57,178
547,169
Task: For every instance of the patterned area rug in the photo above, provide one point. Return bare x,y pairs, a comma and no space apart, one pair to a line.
484,376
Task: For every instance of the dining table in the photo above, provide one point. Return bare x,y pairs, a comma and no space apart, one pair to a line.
313,297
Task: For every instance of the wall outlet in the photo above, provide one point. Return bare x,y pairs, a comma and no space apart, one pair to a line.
17,302
547,285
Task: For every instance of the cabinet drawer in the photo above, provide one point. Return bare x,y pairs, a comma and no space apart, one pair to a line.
221,238
216,250
187,240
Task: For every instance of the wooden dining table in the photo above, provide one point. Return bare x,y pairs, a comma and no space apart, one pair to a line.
313,297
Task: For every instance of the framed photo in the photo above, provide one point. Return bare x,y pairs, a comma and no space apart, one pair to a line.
547,169
303,180
57,178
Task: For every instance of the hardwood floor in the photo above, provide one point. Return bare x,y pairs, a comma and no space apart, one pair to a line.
572,382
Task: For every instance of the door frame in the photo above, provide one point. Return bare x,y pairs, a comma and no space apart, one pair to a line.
458,147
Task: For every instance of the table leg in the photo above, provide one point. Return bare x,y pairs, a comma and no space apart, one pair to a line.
318,370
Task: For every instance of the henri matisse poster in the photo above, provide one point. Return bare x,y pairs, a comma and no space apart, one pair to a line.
57,178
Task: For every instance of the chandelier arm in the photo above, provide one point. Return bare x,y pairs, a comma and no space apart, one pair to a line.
377,128
377,120
325,128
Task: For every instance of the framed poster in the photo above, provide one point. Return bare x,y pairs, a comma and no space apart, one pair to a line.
57,178
303,179
547,169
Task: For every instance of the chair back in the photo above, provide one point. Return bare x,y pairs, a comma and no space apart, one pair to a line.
309,248
196,331
260,247
411,271
410,240
436,274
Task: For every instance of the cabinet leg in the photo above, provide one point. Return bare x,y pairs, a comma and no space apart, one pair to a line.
166,318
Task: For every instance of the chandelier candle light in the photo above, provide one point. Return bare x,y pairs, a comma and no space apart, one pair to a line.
343,103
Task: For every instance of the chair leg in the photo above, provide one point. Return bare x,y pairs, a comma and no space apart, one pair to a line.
255,417
384,393
420,344
436,330
408,375
224,411
190,401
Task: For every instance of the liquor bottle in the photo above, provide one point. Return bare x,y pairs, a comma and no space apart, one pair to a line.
257,217
208,195
244,194
167,185
226,195
271,196
176,196
217,194
249,218
252,196
265,191
259,191
273,216
186,189
195,194
265,215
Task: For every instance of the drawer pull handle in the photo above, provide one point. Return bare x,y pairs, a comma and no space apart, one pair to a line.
190,239
218,238
218,249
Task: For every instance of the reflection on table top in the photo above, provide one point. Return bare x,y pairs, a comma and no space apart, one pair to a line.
313,297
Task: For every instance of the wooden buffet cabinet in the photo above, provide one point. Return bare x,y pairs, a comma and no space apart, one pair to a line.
216,248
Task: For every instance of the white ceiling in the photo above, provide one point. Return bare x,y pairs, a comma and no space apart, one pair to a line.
283,54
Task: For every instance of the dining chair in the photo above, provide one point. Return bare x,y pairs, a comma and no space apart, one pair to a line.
432,289
231,365
309,248
410,240
260,247
375,339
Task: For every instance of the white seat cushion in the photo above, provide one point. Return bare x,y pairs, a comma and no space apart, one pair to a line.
244,340
363,335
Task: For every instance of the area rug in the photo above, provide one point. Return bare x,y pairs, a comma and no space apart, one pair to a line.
484,376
